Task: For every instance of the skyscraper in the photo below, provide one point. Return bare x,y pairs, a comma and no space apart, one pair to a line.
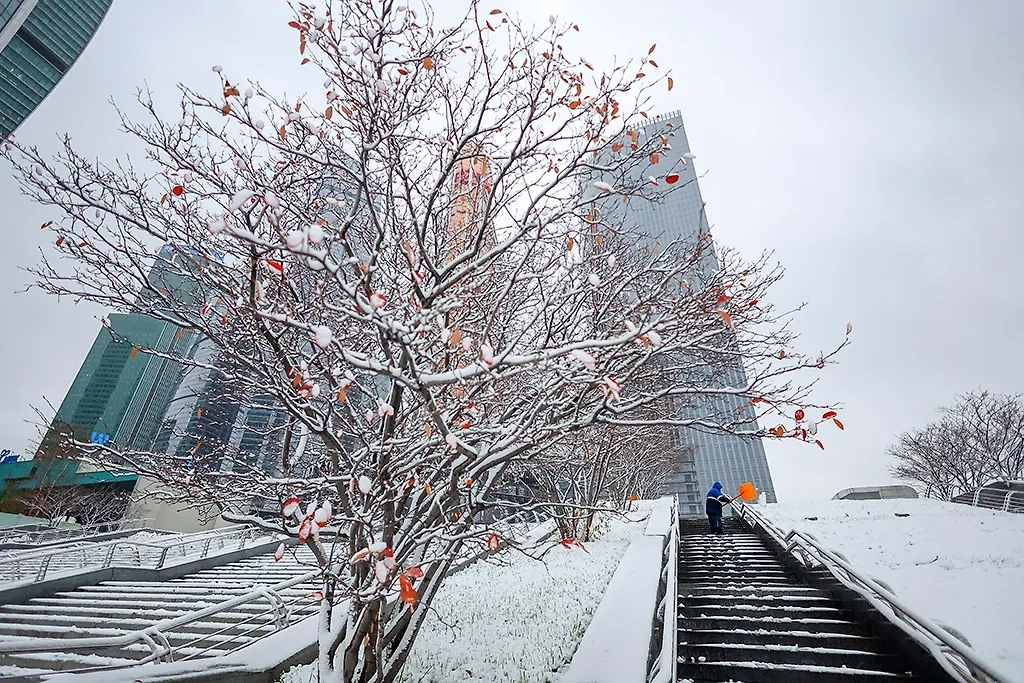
39,42
701,457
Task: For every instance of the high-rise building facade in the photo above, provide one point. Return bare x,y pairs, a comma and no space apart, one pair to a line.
39,42
701,457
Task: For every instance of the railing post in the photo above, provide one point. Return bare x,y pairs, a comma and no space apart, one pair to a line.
206,548
109,558
1006,501
43,567
163,557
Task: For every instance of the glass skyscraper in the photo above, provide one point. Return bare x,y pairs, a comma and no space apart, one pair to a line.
700,458
39,42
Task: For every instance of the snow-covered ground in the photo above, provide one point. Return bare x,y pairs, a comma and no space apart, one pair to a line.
958,564
513,619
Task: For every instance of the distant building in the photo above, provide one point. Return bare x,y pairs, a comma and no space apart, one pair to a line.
876,493
701,457
39,42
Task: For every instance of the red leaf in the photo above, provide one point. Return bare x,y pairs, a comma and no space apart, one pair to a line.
304,530
723,298
756,399
798,415
415,572
290,505
177,190
294,24
672,178
839,424
276,265
495,11
428,63
820,445
652,48
829,415
493,542
60,240
726,318
45,225
406,591
328,113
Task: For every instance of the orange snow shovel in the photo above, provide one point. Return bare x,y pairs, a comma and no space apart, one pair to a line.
747,492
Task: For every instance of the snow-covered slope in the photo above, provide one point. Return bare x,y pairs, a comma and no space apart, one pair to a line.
958,564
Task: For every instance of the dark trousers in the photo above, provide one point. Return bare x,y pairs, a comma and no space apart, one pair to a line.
715,522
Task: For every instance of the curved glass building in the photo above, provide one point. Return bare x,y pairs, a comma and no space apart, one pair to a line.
39,41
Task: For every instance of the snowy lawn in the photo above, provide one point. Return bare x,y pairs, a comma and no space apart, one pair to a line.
511,618
958,564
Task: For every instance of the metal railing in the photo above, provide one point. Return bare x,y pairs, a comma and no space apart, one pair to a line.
156,637
944,644
663,668
37,534
999,499
123,553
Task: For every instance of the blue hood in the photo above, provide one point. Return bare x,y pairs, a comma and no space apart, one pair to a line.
717,485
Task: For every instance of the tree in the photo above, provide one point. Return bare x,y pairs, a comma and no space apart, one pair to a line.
414,269
980,438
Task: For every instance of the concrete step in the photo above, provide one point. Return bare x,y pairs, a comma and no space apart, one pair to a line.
782,654
773,623
781,637
715,611
760,672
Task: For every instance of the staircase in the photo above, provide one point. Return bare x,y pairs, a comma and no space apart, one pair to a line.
118,608
744,616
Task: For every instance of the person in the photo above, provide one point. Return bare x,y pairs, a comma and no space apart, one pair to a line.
716,501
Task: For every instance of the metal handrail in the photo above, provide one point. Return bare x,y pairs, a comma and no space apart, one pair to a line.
244,533
33,533
958,659
155,635
664,668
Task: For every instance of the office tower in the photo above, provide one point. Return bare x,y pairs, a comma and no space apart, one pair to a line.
701,457
39,42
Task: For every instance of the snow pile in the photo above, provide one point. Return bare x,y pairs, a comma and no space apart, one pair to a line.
957,564
513,618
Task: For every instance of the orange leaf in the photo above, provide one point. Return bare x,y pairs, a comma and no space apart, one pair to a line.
830,414
177,190
341,396
655,158
135,352
726,318
574,104
346,111
283,133
294,24
456,337
599,239
60,241
428,429
652,63
226,109
571,244
672,178
83,244
163,199
652,48
820,444
798,415
428,63
495,11
616,146
304,61
407,592
493,542
756,399
415,572
328,113
403,72
838,423
671,83
199,413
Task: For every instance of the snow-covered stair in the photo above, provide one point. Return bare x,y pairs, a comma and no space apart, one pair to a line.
115,608
744,616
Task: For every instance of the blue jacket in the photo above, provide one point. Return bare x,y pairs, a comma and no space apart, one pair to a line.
716,500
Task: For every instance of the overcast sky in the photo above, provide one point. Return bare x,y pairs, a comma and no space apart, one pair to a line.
876,146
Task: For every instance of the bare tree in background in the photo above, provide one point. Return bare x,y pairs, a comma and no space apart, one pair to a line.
397,261
980,438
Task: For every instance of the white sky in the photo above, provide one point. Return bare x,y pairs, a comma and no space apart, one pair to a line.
876,146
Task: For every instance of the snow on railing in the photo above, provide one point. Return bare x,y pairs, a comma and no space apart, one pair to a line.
42,533
999,499
944,644
636,614
155,635
122,552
